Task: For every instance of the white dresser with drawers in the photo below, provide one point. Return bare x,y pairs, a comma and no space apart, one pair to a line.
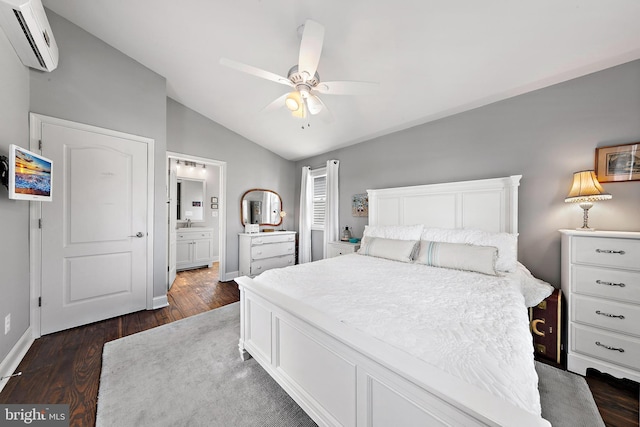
601,282
259,252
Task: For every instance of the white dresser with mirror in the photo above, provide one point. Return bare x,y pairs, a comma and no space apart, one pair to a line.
263,251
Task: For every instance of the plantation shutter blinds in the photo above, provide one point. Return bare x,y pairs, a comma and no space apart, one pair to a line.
319,200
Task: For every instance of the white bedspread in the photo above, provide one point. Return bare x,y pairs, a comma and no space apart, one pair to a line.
470,325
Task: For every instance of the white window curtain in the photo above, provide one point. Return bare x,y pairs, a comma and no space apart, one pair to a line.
306,208
332,226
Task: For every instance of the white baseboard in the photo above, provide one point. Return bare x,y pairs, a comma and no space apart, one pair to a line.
15,356
230,276
159,302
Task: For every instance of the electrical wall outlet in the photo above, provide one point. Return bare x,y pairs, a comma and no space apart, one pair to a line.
7,323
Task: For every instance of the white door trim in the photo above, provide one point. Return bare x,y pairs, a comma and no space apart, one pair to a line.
35,235
222,203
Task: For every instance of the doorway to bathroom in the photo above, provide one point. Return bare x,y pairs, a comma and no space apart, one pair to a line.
196,200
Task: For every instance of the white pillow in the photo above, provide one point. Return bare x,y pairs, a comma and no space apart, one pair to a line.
398,232
458,256
506,243
533,289
397,250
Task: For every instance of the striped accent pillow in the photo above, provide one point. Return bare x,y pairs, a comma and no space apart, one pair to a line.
458,256
397,250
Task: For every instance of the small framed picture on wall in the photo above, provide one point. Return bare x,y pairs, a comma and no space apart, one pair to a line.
214,200
618,163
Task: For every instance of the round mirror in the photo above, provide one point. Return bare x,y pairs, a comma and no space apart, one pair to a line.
260,206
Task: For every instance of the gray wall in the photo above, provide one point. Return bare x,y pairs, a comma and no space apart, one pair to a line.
14,214
98,85
544,135
248,166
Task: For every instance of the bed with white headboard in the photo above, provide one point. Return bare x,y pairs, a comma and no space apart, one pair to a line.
341,375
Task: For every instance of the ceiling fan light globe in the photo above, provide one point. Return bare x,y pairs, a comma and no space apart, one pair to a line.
292,104
293,101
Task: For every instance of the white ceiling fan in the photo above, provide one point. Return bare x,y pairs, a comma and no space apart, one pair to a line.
304,78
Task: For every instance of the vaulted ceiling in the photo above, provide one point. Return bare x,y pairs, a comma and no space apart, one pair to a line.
431,58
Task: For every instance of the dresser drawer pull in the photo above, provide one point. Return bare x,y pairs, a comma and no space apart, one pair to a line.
600,282
607,251
621,350
620,316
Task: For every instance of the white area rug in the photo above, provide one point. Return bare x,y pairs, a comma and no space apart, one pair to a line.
189,373
566,399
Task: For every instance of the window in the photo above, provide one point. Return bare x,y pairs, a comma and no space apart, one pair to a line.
319,182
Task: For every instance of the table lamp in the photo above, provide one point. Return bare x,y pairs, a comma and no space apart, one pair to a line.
585,190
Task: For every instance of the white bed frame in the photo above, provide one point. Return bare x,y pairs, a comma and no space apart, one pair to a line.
342,377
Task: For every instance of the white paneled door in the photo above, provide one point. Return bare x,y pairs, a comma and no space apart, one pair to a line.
94,232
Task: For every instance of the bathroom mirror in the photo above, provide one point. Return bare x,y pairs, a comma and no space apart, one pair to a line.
190,199
260,206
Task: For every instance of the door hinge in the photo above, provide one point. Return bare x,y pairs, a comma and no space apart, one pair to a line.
40,144
39,222
39,301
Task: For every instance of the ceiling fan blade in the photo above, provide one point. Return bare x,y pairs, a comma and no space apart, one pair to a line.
310,49
347,88
254,71
276,104
325,114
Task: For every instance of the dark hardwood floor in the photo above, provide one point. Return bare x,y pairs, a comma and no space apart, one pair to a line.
617,400
65,367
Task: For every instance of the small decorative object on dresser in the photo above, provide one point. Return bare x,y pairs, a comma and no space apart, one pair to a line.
340,248
283,214
601,282
546,327
345,236
259,252
251,228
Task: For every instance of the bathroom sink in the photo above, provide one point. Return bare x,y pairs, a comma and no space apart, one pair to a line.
193,228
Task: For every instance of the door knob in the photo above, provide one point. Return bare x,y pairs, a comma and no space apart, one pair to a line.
138,234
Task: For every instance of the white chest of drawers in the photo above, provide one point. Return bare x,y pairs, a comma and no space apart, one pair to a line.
601,281
262,251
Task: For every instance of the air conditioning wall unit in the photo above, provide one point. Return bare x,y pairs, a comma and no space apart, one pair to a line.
26,25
